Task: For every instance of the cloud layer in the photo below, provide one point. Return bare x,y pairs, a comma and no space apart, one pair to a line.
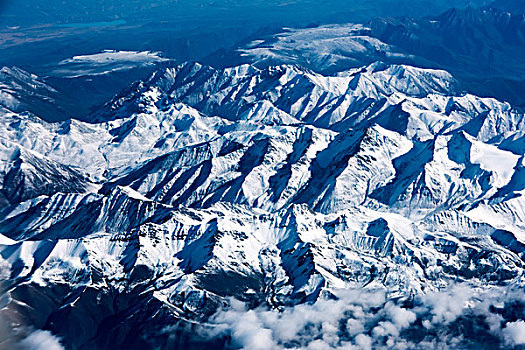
457,317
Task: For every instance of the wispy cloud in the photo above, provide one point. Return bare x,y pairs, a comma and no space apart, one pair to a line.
41,340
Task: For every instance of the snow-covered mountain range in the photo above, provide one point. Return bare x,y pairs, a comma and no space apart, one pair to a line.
277,186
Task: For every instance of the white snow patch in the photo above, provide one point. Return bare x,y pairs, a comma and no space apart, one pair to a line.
106,62
493,159
133,194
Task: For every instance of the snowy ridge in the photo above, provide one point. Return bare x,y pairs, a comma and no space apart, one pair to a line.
21,92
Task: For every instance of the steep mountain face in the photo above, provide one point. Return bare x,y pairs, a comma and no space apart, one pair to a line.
21,91
275,186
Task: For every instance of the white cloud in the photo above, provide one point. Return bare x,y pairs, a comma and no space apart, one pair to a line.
248,331
515,332
364,342
401,317
446,306
41,340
